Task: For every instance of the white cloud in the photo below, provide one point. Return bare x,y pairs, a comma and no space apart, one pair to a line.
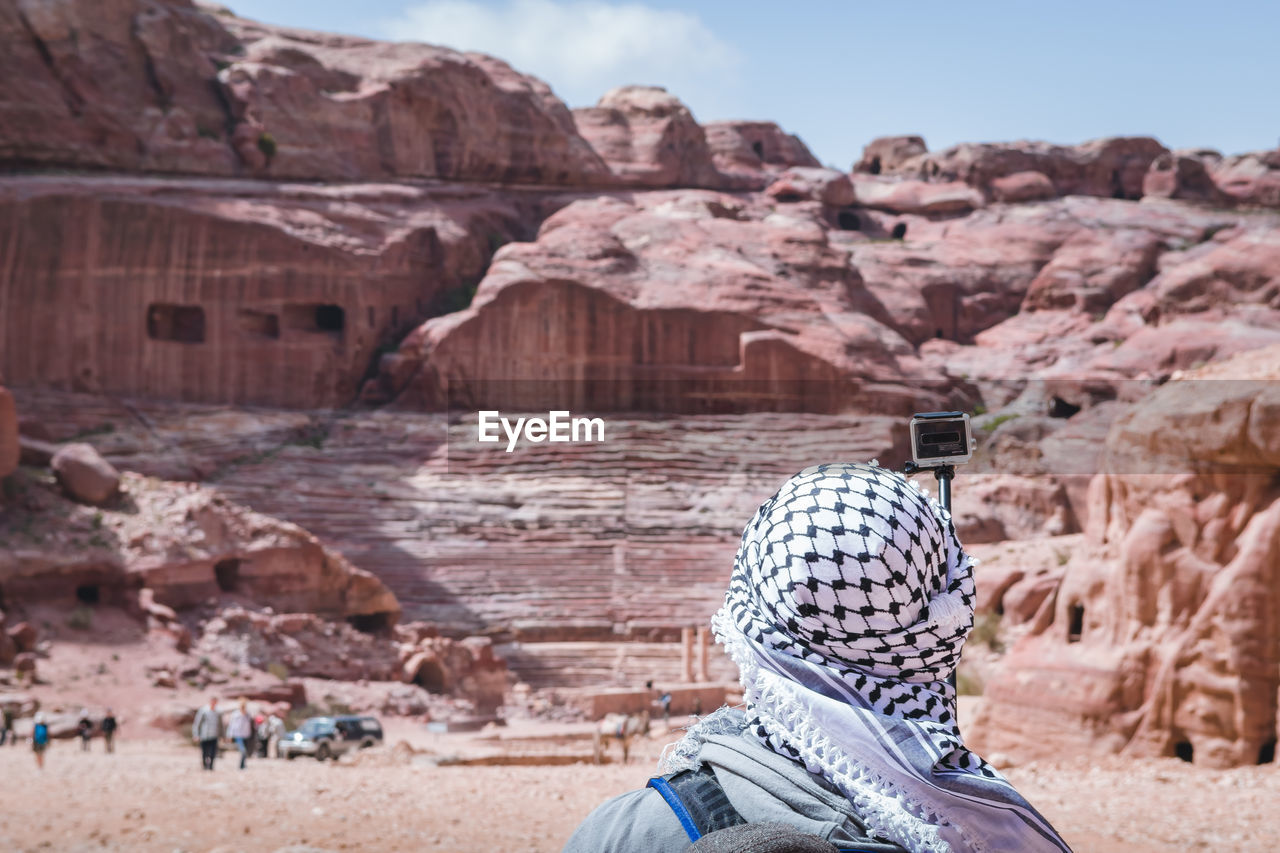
581,47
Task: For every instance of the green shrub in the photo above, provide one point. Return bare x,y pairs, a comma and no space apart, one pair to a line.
986,630
80,619
968,684
999,419
267,145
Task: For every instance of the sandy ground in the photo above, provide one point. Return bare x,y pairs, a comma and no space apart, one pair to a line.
152,796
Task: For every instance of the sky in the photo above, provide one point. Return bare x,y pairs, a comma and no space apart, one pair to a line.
842,72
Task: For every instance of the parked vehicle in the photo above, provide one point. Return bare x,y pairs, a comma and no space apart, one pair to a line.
329,737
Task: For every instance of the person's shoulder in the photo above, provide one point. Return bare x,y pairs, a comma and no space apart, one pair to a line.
638,821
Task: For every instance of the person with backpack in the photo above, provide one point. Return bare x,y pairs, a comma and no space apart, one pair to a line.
109,731
850,599
40,739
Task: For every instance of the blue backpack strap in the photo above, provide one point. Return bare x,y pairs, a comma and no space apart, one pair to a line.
697,800
701,807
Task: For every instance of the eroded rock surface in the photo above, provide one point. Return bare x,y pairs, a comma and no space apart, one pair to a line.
9,449
174,545
230,291
170,87
1160,640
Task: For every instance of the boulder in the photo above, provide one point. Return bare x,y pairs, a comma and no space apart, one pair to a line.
1249,179
24,636
1182,175
917,197
887,153
748,153
1110,168
291,694
648,138
1023,599
25,664
19,704
1008,506
825,186
84,475
1021,187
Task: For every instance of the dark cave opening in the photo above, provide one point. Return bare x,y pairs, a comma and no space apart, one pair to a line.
227,574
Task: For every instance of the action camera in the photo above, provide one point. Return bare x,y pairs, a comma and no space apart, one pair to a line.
940,438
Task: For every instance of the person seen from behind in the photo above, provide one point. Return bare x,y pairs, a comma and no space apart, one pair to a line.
205,729
40,739
109,731
84,729
275,732
848,605
240,730
261,735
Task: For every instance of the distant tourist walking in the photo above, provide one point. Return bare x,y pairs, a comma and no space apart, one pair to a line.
205,728
6,726
109,731
40,739
240,730
275,731
84,728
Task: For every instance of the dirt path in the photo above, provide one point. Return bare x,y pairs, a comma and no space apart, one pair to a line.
152,796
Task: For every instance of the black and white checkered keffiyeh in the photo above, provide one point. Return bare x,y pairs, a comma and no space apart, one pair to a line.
850,600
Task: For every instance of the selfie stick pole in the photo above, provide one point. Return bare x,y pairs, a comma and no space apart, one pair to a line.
943,474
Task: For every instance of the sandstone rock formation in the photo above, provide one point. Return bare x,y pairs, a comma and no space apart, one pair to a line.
1250,179
648,138
230,291
176,545
624,260
1111,168
1183,175
918,197
303,644
1161,640
825,186
169,87
747,152
84,475
9,450
888,153
683,301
